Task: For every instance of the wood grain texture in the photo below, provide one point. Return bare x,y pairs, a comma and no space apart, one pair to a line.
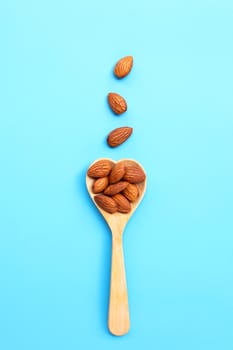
118,316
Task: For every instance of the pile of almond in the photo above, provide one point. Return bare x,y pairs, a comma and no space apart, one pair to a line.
115,185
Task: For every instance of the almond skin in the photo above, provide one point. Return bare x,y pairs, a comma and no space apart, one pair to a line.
123,67
123,205
100,184
119,135
101,168
117,173
117,103
116,188
106,203
131,192
134,174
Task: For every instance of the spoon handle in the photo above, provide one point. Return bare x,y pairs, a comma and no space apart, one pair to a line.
118,317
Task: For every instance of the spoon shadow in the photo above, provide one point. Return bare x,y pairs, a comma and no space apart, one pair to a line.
105,261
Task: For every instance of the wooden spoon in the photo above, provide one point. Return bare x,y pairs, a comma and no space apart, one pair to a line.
118,316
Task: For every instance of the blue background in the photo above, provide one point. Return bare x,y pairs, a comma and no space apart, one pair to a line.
56,70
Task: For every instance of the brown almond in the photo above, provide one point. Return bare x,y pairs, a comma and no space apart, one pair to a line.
100,184
123,205
106,203
123,67
119,135
101,168
134,174
117,103
131,192
117,172
116,188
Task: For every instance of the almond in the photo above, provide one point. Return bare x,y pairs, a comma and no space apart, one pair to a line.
123,205
117,173
101,168
131,192
100,184
106,203
123,66
116,188
117,103
119,135
134,174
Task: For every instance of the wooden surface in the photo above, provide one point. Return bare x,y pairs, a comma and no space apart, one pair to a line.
118,317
